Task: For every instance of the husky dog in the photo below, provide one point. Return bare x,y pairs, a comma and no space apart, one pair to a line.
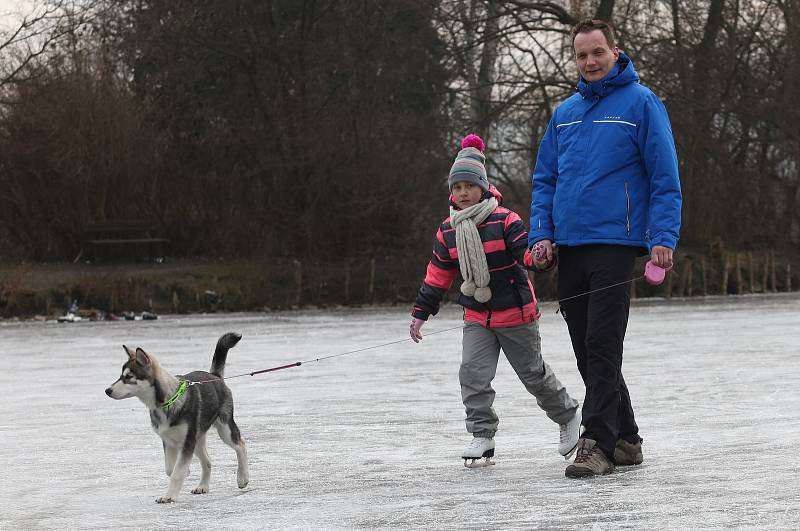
182,413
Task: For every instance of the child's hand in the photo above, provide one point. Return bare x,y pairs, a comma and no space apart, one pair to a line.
543,254
527,260
416,325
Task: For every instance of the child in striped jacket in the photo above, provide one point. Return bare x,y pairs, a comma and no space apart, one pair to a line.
487,244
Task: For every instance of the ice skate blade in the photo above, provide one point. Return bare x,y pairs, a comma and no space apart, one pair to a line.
569,454
475,462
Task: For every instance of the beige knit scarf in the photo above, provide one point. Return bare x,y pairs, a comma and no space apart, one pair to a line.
471,257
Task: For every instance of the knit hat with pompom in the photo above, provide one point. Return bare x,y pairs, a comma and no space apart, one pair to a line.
470,163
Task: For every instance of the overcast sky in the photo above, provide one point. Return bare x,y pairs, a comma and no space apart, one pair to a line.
14,5
11,9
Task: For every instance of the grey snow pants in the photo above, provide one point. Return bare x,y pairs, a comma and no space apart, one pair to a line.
522,347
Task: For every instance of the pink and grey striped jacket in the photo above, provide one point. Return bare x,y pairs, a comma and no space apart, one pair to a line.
505,240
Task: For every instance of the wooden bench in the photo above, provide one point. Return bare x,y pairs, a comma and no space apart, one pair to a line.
124,242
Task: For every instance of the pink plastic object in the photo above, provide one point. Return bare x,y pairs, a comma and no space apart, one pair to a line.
654,274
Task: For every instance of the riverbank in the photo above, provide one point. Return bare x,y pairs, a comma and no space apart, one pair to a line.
30,290
45,290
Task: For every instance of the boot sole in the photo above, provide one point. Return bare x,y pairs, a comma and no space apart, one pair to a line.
628,463
580,472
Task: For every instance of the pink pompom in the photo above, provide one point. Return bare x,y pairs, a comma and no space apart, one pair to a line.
475,141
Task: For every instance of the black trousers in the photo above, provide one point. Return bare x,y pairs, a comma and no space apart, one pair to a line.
597,322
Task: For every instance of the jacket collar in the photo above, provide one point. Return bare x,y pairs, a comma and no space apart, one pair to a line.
622,73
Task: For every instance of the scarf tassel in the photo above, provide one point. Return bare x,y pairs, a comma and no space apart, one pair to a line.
472,258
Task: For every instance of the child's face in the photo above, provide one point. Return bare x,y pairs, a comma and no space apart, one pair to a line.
466,194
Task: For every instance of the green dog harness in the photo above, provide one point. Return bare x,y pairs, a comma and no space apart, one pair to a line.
184,385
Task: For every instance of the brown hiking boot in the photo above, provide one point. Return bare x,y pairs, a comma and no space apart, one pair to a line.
626,454
589,461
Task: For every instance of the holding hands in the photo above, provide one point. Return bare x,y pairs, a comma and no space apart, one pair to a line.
541,256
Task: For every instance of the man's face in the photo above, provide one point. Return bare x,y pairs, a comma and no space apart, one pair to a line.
594,57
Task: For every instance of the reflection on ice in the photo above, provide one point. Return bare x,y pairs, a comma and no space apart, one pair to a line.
372,440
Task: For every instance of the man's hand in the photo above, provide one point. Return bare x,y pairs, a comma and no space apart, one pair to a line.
542,253
416,325
661,256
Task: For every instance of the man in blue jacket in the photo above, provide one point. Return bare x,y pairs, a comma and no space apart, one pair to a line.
605,190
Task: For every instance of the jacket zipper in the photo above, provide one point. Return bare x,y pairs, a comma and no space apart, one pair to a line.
627,209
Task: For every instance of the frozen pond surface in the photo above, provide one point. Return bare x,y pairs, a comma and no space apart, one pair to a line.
371,440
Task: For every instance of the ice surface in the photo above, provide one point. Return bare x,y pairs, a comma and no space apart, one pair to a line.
371,440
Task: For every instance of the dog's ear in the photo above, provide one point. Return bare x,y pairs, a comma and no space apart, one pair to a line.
142,358
130,354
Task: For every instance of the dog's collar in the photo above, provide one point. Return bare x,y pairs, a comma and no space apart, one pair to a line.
184,385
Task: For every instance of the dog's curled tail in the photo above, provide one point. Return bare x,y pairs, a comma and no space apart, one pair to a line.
225,343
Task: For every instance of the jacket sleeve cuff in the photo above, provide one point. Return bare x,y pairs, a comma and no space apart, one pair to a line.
537,236
664,240
419,313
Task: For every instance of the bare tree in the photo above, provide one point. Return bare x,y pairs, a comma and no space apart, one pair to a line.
257,127
512,64
32,33
726,71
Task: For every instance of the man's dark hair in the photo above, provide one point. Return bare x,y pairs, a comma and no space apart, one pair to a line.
589,25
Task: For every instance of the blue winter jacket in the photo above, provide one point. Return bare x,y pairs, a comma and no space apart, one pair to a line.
607,171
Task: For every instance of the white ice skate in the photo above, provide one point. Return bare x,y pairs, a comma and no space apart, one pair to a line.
477,449
568,435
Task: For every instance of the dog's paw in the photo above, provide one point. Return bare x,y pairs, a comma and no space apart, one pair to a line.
200,490
242,480
165,499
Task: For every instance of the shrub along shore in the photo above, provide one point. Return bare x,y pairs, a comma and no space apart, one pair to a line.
45,290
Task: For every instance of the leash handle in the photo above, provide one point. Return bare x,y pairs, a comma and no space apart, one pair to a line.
296,364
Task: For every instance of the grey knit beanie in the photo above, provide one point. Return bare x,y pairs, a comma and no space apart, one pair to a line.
470,163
